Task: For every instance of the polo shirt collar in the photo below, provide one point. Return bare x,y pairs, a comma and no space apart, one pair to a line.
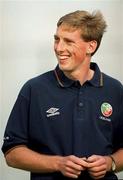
64,81
97,79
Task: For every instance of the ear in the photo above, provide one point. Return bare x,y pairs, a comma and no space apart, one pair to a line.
91,47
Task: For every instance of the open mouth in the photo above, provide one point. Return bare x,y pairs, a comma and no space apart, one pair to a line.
63,57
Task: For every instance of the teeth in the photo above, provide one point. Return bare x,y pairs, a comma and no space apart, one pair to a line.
63,57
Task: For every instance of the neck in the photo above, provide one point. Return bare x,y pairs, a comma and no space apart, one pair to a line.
82,75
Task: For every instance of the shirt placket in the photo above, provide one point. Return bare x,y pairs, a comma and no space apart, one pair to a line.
78,123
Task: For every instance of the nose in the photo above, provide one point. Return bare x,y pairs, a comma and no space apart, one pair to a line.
59,46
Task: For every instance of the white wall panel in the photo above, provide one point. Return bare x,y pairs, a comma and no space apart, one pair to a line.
27,47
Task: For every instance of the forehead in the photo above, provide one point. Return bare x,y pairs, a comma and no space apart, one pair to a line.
65,30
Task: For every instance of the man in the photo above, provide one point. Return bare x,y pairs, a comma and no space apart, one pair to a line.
68,123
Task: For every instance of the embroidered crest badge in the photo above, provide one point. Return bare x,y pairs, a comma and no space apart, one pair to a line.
106,109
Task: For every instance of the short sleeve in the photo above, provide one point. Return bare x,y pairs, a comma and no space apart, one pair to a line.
16,132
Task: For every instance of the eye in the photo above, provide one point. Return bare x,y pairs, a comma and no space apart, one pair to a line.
56,38
68,41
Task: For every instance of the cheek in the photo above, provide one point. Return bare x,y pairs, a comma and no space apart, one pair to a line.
79,50
78,54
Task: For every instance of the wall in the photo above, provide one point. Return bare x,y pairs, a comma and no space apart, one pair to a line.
122,43
0,81
27,46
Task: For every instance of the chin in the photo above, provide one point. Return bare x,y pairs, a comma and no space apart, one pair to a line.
64,68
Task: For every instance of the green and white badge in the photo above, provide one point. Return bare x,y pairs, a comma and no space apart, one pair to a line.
106,109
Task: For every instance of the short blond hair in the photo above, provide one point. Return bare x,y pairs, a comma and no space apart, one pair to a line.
92,25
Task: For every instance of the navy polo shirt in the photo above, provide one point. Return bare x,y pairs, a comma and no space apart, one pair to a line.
57,116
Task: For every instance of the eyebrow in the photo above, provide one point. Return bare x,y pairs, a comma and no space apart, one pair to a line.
66,39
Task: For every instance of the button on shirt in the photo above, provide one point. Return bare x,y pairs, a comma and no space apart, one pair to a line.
57,116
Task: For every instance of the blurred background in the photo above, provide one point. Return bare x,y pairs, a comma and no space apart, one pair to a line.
26,49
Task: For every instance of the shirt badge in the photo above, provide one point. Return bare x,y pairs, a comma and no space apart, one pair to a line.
52,112
106,109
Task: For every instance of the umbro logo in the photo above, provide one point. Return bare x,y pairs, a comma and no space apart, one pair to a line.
52,112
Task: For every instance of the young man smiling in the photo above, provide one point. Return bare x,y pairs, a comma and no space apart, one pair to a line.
68,122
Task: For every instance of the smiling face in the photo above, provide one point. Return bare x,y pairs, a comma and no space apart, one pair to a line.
70,48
